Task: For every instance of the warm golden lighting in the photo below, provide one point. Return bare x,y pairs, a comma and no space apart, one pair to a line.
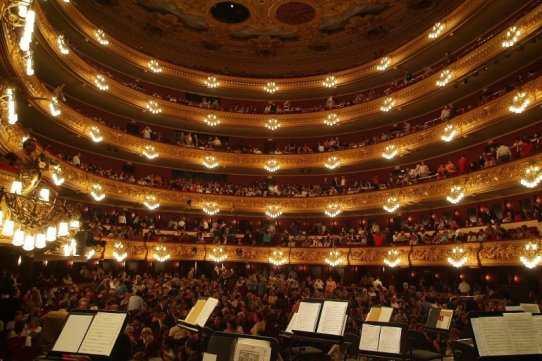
54,107
392,204
212,82
218,255
331,119
95,134
212,120
151,202
90,253
28,63
333,210
448,133
62,46
26,38
532,176
332,162
511,37
277,258
211,208
444,78
153,107
100,36
97,192
271,165
272,124
387,104
8,104
210,161
530,255
390,151
436,30
520,102
330,81
271,87
119,251
334,258
458,256
100,82
393,258
154,66
161,254
57,176
384,64
273,211
150,152
457,193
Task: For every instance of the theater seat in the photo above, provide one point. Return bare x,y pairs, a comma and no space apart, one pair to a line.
417,344
463,352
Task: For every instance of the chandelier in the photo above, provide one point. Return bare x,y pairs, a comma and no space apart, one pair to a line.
530,255
150,152
210,161
393,258
520,102
54,107
457,256
392,204
8,105
271,87
387,104
333,210
511,37
272,124
218,255
95,134
26,38
99,34
384,64
151,202
97,192
62,46
120,251
331,119
390,151
212,120
448,133
154,66
271,165
90,253
30,216
29,63
100,82
330,81
334,258
153,107
161,254
211,208
532,177
332,162
273,211
212,82
16,12
436,30
444,78
57,176
456,194
277,258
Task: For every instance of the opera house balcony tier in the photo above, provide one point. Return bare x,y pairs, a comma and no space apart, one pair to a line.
461,25
399,99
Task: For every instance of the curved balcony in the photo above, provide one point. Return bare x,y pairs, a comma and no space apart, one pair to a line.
479,254
195,77
529,23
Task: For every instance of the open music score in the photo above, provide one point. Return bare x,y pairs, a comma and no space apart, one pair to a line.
379,314
327,317
439,318
378,338
90,334
200,313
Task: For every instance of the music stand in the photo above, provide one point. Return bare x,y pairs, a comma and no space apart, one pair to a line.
403,349
222,344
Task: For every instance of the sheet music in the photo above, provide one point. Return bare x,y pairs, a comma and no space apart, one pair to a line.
530,307
444,320
385,314
370,335
390,340
205,313
537,322
72,334
102,333
332,318
248,349
194,312
291,324
307,316
492,337
513,308
209,357
373,315
522,332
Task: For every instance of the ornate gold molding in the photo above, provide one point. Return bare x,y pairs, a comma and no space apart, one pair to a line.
529,23
411,46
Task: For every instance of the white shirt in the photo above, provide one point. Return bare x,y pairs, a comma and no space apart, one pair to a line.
135,303
464,287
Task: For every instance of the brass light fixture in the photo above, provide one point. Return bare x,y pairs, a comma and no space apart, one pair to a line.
331,119
332,162
7,101
210,161
457,193
384,64
436,30
392,204
393,258
511,37
97,192
444,78
457,256
333,210
520,102
62,45
120,251
530,255
330,81
272,124
154,66
273,211
100,36
212,120
211,208
271,87
448,133
151,202
532,176
277,258
150,152
334,258
95,134
387,104
212,82
161,253
218,255
390,151
153,107
271,165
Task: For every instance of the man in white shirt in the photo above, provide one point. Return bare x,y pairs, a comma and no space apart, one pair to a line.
464,287
135,302
76,160
503,153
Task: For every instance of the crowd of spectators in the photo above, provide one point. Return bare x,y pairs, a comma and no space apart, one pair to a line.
256,303
493,154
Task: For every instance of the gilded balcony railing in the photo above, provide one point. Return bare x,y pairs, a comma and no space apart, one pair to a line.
402,53
529,24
